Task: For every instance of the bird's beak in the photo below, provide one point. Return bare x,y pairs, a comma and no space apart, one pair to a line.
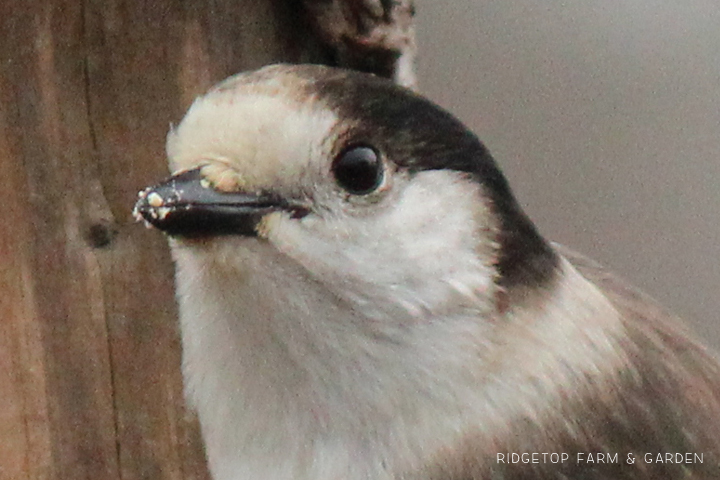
186,205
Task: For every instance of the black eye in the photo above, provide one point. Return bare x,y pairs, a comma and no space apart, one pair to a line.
358,170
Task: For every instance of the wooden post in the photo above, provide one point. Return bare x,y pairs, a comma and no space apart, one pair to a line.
90,385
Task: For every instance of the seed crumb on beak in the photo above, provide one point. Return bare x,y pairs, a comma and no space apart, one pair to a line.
159,210
155,200
264,226
136,211
162,213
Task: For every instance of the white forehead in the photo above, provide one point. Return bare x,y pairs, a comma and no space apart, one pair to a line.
266,133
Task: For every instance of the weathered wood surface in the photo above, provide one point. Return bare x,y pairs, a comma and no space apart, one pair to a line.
90,385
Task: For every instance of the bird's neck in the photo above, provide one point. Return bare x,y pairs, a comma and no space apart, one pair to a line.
294,386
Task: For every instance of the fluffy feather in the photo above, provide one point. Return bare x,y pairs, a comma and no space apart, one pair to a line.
420,330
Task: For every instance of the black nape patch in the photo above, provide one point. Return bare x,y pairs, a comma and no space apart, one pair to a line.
418,135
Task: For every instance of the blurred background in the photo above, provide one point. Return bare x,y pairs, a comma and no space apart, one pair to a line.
605,116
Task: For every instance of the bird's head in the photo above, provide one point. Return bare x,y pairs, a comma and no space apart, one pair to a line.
357,285
380,195
361,296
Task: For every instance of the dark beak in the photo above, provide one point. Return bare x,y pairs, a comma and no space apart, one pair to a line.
183,205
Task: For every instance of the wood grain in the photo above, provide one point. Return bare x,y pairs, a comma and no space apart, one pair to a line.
90,382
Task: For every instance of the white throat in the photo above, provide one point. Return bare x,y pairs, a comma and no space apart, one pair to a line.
290,384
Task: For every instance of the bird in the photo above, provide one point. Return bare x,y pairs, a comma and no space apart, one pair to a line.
361,296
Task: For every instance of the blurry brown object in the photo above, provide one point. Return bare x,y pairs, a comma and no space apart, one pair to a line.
90,384
376,36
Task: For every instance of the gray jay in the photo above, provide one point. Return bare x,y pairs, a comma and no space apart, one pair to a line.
362,298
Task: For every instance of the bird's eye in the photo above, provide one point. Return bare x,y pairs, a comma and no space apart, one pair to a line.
358,170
